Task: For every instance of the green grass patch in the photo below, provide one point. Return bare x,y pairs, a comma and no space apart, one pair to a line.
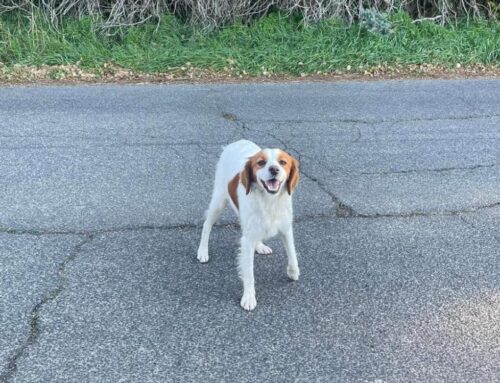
275,44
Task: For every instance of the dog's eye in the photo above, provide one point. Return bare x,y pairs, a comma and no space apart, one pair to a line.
261,163
282,162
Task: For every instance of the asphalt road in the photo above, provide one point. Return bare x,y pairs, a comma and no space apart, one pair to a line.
103,190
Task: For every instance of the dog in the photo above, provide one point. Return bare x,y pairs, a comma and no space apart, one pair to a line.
258,184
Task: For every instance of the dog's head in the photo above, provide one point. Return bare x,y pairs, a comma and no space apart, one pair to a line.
271,170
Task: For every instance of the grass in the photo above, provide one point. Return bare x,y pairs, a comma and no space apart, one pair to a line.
276,44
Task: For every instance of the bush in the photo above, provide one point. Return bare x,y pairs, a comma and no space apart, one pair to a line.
375,22
211,13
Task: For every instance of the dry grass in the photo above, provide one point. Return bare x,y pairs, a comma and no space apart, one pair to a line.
109,73
211,13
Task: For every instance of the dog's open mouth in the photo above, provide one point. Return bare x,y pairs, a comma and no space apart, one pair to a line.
272,186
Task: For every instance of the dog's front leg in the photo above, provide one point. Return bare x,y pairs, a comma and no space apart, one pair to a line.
248,300
293,266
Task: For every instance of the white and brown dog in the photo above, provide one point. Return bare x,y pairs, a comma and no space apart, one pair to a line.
258,183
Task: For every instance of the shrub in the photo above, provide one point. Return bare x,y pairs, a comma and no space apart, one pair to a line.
211,13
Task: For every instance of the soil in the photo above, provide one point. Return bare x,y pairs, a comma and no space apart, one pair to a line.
73,74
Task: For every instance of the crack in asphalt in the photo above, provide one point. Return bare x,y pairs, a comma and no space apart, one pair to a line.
437,170
345,172
342,210
469,210
240,124
377,121
40,232
229,116
121,229
359,135
117,145
202,149
34,334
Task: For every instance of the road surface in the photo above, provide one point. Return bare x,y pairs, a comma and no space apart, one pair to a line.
397,229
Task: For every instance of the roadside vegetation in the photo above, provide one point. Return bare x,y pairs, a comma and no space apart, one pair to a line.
37,43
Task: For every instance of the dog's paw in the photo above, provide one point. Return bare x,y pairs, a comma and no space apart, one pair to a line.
293,272
202,255
248,301
263,249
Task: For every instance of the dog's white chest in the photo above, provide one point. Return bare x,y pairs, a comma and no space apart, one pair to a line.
265,217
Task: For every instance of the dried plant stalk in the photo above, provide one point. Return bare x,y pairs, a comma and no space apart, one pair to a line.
212,13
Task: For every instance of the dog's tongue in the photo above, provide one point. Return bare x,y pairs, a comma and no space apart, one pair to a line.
272,185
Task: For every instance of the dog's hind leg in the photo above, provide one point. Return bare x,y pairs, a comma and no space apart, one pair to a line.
217,205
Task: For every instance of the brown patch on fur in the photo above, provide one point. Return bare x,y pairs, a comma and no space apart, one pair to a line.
232,188
251,167
292,169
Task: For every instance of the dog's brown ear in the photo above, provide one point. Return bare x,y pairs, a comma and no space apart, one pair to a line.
293,176
247,176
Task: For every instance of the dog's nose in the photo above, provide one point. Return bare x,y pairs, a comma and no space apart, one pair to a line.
274,170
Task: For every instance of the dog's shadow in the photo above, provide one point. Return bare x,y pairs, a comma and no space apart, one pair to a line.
216,284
